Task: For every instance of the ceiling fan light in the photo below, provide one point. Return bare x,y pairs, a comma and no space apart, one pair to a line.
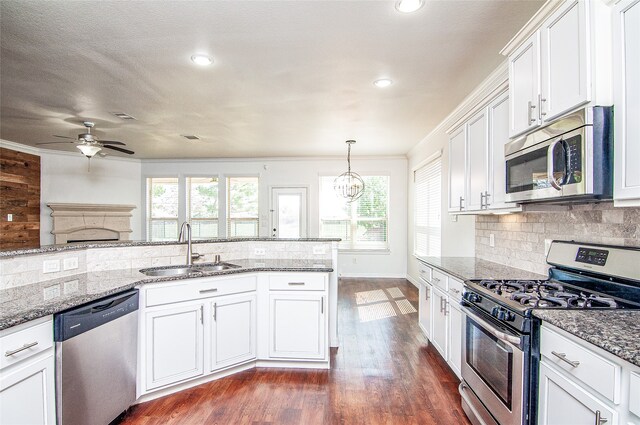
408,6
89,150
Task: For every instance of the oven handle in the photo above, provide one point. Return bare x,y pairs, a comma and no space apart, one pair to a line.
550,169
502,336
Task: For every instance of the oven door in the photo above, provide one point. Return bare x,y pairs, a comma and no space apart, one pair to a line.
493,367
550,169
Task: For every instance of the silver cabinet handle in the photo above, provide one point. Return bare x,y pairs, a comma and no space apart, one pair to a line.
17,350
481,200
296,283
461,200
599,419
202,314
457,291
446,304
486,199
435,279
322,305
563,357
215,311
541,100
531,107
426,294
205,291
550,170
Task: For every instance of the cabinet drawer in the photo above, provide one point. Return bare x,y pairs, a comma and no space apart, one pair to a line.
601,375
634,394
25,343
194,289
297,282
439,279
425,272
455,288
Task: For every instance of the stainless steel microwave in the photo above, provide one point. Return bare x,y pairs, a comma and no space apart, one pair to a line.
568,160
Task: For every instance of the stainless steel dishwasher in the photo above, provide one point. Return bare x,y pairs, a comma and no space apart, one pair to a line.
96,359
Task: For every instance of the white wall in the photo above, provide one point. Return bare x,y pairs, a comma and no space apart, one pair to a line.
65,178
306,172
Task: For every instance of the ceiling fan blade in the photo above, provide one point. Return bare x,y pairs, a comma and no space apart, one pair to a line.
52,143
65,137
112,142
127,151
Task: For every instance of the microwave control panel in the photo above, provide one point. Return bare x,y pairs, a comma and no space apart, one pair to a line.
573,146
594,256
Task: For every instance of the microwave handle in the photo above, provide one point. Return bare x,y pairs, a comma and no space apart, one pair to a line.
550,161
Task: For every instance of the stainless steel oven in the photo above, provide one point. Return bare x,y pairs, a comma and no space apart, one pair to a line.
493,371
566,160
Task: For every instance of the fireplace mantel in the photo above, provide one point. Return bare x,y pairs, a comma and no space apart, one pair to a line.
90,222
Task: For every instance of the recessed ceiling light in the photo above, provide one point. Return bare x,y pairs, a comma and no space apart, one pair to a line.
201,59
408,6
383,82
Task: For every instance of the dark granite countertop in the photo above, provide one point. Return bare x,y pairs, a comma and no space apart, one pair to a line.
474,268
84,245
615,331
24,303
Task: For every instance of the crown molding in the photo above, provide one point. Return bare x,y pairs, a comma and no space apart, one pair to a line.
531,26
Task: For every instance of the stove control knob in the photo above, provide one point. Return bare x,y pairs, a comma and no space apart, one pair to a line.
510,316
502,315
472,298
495,311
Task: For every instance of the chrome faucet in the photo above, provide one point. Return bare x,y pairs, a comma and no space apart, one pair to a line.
181,238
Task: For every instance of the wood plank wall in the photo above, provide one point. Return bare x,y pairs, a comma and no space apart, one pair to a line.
20,196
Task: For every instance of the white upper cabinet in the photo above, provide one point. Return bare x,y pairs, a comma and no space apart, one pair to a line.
565,72
457,169
498,136
478,148
524,86
564,64
626,79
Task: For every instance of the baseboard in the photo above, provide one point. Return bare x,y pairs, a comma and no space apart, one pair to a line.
375,275
414,281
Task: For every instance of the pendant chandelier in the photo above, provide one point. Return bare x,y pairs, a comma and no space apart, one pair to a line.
349,185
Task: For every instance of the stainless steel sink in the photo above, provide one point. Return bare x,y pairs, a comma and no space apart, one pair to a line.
184,270
216,267
172,271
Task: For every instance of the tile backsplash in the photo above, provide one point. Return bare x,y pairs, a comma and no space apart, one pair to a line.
520,237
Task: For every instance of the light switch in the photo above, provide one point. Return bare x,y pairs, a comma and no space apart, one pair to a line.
70,263
50,266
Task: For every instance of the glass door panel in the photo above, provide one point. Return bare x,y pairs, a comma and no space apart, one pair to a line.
289,212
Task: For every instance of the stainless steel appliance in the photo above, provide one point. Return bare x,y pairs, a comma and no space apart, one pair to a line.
96,347
501,337
570,159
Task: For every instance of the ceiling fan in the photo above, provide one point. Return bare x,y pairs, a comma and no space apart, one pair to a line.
89,144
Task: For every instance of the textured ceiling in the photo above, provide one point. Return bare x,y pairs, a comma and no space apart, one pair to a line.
290,78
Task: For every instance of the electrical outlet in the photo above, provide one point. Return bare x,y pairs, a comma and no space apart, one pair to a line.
547,246
50,266
259,252
9,217
70,263
71,286
492,240
318,249
51,292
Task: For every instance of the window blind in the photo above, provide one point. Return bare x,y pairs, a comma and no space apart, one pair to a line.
428,179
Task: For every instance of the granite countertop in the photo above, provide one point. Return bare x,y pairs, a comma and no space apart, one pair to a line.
615,331
24,303
474,268
84,245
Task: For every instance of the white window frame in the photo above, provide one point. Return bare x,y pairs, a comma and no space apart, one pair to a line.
187,200
427,179
227,204
149,210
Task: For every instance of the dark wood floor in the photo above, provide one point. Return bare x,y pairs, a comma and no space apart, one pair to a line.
384,372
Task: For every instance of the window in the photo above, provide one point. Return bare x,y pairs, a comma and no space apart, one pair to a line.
242,206
162,208
427,181
361,224
202,206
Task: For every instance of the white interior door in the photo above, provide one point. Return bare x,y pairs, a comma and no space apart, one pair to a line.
289,212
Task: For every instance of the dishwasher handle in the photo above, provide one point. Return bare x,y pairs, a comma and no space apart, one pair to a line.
82,319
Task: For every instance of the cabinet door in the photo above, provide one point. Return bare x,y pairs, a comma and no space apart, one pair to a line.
457,168
233,330
297,326
564,50
440,332
27,395
455,337
174,344
478,154
627,102
425,309
498,136
563,402
524,86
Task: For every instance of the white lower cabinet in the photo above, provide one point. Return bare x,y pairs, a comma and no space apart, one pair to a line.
232,330
174,344
455,337
563,402
27,377
298,328
440,333
425,310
